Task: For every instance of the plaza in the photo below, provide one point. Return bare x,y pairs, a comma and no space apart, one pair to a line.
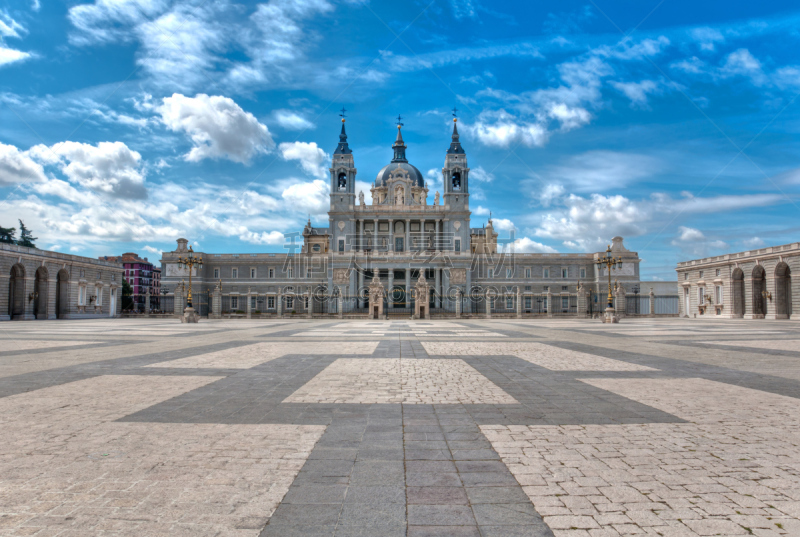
461,427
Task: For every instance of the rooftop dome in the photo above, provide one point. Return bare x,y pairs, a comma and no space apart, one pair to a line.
399,161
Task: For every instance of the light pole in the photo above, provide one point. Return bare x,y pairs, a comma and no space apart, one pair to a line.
189,262
609,262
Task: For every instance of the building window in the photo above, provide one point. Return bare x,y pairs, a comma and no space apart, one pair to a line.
564,288
509,303
289,303
701,293
717,272
527,302
564,273
235,273
527,287
81,295
290,273
272,273
489,273
252,303
252,273
719,295
305,302
565,303
547,273
546,288
458,245
234,303
701,273
216,274
583,273
509,273
685,275
271,302
527,273
341,245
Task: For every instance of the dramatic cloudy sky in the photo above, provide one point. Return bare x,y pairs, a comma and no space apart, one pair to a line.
125,124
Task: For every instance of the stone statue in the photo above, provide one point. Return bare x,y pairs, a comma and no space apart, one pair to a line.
361,198
436,198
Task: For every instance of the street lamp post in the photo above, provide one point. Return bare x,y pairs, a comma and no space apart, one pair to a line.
609,262
190,261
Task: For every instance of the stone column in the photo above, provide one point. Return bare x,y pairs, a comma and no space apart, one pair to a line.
408,287
310,304
581,301
408,238
389,304
621,303
147,303
360,235
279,305
341,302
488,305
391,235
549,302
519,303
653,302
360,286
216,303
437,279
178,302
458,303
249,308
52,287
4,297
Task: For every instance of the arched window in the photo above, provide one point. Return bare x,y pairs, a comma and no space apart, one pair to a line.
456,181
342,181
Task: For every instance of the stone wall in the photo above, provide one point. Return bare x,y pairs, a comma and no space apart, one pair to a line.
37,284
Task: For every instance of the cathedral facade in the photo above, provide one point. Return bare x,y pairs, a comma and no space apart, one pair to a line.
400,240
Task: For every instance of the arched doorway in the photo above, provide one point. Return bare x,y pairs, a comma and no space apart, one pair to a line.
783,291
16,292
62,294
759,286
40,294
738,293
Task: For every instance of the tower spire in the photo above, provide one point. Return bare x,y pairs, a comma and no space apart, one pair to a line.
342,148
399,145
455,145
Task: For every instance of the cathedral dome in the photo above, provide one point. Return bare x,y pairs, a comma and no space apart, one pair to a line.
413,173
399,161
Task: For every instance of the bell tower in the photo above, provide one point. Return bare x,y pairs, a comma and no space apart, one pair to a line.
455,173
343,174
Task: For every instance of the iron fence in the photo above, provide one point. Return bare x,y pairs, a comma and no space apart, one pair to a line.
667,304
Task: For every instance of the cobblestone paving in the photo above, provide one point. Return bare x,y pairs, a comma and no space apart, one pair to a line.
499,428
540,354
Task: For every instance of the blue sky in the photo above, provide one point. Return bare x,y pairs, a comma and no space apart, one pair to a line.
126,124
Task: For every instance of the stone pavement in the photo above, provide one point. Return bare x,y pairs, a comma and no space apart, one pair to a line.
400,428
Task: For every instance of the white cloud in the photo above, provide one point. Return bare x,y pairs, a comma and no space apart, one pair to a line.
529,246
271,237
707,37
9,27
688,234
153,250
501,129
755,242
311,158
479,174
550,193
742,63
692,65
600,170
292,121
637,92
310,198
217,126
110,168
106,21
503,224
10,55
480,211
628,50
18,167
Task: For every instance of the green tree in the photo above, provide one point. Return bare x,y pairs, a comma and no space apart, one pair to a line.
127,296
26,238
7,234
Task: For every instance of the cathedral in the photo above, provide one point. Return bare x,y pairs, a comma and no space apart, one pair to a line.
400,244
